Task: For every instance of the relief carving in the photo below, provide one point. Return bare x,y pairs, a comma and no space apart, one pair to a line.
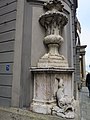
65,104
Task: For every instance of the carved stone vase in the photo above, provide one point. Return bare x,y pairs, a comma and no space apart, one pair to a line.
53,21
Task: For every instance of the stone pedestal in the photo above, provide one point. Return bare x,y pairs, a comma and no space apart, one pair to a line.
46,86
52,68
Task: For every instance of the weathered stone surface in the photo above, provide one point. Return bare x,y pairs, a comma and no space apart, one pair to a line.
46,86
65,104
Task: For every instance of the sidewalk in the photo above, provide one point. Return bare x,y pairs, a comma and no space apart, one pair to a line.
84,104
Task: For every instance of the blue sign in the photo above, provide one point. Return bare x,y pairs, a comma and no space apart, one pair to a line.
7,67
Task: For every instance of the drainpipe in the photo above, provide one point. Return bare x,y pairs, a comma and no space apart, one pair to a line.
74,47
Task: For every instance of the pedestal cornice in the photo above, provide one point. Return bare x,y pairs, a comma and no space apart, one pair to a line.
50,70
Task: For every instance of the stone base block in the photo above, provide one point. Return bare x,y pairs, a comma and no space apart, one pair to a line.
49,60
46,81
41,108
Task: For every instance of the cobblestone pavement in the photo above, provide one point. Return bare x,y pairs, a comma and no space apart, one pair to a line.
84,104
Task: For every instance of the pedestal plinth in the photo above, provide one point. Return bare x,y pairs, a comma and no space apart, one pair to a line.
46,86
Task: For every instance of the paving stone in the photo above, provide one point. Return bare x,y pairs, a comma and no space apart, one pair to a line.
84,104
19,114
83,119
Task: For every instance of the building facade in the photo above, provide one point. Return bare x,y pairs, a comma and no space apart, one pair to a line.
21,46
81,52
